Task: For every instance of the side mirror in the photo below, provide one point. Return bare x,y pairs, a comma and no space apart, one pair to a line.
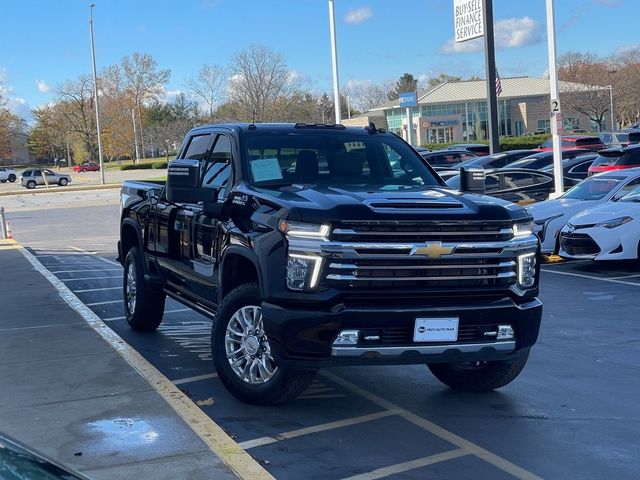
183,183
472,180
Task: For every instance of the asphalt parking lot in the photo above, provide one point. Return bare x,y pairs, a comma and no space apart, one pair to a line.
571,414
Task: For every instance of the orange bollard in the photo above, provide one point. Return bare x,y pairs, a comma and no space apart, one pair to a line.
9,232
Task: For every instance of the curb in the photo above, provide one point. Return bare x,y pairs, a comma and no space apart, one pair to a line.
214,437
61,189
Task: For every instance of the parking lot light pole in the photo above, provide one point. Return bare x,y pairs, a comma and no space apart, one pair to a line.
555,111
95,94
613,125
334,64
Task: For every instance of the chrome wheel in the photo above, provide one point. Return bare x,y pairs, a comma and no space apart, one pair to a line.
131,287
247,347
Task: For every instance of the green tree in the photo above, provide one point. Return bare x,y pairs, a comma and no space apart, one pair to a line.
406,83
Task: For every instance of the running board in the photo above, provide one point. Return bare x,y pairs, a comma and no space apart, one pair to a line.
191,304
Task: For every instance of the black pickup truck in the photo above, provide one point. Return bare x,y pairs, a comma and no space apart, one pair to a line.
313,246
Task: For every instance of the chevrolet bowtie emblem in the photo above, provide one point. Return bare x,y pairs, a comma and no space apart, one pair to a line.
432,250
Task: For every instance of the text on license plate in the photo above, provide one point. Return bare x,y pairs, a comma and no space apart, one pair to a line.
436,330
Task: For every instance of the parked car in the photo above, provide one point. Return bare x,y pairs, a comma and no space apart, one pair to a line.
8,174
619,139
571,142
610,231
497,160
550,216
477,148
87,167
616,159
31,178
19,462
576,168
446,158
540,160
517,185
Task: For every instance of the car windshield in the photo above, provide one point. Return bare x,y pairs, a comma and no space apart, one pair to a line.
593,188
633,196
335,158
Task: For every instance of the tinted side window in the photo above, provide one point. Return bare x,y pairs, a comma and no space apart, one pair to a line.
632,185
218,168
517,180
581,167
631,158
37,173
198,147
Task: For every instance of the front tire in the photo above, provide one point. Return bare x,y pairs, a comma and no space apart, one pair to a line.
31,184
478,376
12,178
63,182
143,303
242,354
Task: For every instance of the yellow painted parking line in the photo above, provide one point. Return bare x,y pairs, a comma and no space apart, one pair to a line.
259,442
466,445
571,274
237,459
9,244
410,465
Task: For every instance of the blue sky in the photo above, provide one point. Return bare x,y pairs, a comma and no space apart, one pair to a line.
45,42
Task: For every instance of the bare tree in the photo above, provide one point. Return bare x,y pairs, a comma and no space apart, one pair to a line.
365,95
625,73
260,81
10,125
208,86
584,90
75,99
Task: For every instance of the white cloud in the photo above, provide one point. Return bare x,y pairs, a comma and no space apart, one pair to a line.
608,3
42,86
358,15
626,49
509,33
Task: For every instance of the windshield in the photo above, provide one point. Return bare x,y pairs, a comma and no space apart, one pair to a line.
593,188
633,196
335,158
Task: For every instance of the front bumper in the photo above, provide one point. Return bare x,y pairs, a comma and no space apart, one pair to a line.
304,338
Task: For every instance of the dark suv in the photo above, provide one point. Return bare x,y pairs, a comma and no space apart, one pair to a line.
616,159
318,245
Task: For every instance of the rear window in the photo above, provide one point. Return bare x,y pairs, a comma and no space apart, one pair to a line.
626,159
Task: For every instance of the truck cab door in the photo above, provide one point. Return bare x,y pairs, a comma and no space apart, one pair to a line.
173,225
207,228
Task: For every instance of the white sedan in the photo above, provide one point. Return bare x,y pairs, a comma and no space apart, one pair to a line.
610,231
551,215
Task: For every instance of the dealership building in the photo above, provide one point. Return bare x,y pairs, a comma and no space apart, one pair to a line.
457,111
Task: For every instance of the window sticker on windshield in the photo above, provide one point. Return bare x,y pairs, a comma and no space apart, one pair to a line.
266,169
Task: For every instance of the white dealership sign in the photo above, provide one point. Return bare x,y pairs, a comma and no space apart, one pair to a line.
468,19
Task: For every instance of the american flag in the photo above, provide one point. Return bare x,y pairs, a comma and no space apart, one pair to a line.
498,84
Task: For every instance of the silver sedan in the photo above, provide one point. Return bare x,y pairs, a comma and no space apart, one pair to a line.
31,178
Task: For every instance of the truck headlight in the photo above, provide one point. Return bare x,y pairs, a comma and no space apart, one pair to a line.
304,230
303,271
523,229
616,222
527,270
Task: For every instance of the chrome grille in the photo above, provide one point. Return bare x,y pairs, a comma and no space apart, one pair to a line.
384,232
421,272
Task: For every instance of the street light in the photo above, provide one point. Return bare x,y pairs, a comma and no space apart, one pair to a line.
95,93
334,64
613,127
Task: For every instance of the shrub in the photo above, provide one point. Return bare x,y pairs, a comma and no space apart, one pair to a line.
159,165
523,142
141,166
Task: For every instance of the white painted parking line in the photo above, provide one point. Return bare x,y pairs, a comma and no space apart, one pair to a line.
88,278
86,270
197,378
259,442
410,465
177,310
35,327
97,289
466,445
624,276
590,277
108,302
110,262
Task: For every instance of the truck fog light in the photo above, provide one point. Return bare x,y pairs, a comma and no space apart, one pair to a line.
303,271
505,332
347,337
527,270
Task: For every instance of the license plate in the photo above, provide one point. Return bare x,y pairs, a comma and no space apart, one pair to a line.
436,330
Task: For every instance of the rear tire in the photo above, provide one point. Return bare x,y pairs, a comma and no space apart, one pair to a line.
478,376
12,178
3,181
242,354
63,182
31,184
143,303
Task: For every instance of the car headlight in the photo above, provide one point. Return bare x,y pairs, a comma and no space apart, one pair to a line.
304,230
527,270
616,222
303,271
523,229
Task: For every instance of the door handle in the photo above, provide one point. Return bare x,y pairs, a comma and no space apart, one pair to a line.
162,206
187,213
